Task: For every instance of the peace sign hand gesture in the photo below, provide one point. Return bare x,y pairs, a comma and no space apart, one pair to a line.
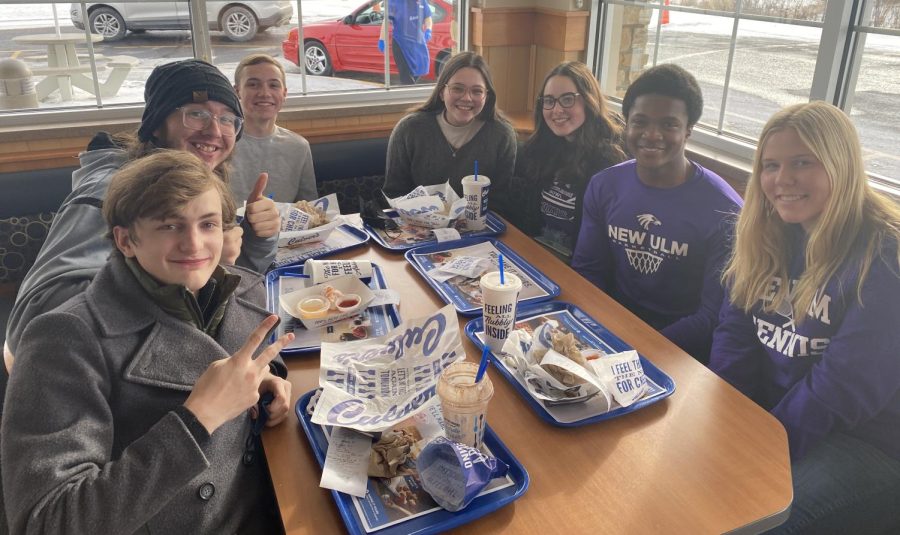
231,385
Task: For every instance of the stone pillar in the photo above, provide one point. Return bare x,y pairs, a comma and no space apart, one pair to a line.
633,46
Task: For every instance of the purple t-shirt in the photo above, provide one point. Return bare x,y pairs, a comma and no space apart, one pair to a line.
839,370
660,251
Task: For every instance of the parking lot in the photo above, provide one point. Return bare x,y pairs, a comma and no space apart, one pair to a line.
773,67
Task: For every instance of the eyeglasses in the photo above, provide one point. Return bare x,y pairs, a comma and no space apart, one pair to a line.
200,119
566,100
459,91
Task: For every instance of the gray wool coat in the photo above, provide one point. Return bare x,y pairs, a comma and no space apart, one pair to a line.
90,442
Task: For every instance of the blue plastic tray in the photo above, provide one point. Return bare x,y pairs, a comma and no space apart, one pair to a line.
495,226
463,306
383,318
352,237
597,336
436,521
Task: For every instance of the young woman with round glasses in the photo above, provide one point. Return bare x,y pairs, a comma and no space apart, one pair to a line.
458,125
575,136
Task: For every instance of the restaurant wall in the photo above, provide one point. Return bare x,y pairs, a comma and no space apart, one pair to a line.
523,40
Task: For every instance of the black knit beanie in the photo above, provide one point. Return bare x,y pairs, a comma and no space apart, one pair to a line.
175,84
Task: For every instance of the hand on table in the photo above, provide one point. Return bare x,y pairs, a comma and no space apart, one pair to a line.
261,212
232,385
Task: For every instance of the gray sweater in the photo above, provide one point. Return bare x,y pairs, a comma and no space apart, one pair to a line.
285,156
419,155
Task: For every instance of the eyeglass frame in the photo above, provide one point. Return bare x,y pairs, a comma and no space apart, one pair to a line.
468,91
541,101
238,121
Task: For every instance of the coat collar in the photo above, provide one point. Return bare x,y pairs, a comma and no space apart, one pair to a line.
174,353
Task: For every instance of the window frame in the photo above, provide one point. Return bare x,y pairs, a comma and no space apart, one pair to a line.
834,76
99,113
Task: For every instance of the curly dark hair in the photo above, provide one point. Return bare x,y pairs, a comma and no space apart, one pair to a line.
668,80
596,145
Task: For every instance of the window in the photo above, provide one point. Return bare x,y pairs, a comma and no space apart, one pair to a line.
753,57
104,66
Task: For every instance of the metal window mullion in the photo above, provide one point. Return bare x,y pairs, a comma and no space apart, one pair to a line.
732,46
832,52
658,33
462,25
854,58
200,31
301,49
387,45
591,50
92,58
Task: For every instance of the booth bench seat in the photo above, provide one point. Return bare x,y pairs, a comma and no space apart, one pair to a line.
351,169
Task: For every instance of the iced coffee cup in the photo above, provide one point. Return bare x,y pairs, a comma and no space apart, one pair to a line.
499,307
464,402
476,193
323,270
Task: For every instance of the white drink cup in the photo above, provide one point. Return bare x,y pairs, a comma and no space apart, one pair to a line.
476,193
323,270
499,307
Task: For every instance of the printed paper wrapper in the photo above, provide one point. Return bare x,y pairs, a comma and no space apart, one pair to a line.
435,206
454,474
371,385
294,222
612,376
347,285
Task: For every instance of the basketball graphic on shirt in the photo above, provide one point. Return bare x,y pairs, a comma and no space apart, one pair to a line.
643,261
644,249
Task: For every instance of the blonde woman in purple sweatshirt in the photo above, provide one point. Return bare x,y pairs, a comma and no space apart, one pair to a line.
810,327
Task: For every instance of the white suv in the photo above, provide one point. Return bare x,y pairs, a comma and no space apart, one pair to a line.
239,20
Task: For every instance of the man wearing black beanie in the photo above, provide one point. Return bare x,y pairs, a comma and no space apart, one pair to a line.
190,106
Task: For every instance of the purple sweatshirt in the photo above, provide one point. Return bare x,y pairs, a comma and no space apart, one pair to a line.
660,251
839,370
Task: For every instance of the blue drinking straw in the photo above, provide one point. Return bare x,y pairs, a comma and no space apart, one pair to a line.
482,366
476,170
502,278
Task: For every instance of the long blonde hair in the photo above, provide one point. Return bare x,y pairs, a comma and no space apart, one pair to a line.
855,223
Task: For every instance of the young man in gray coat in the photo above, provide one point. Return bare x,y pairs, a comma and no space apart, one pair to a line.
146,383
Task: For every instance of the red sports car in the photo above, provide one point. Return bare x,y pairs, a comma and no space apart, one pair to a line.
351,43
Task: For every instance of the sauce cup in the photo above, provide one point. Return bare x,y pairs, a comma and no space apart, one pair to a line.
313,307
348,302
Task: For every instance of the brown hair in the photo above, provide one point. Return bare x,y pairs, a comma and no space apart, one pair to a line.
597,144
158,185
434,104
256,59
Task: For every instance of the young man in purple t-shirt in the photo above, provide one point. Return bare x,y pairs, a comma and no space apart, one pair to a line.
655,231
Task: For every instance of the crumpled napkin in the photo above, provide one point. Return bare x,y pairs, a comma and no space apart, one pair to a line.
390,453
435,206
555,378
